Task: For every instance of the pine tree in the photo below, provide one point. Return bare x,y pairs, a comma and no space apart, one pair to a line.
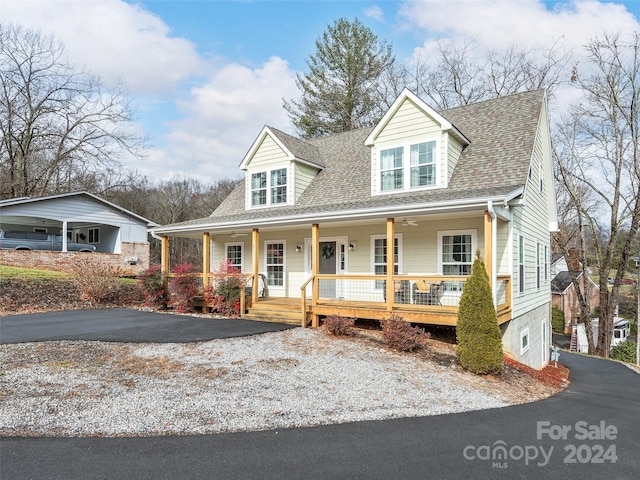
340,92
479,347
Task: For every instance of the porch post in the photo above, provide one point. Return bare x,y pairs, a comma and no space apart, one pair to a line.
390,290
315,268
164,260
255,257
488,244
206,258
64,235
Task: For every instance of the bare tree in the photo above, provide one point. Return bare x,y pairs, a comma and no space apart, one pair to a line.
463,73
598,161
57,122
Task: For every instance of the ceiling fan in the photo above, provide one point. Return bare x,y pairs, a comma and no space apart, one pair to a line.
234,235
408,223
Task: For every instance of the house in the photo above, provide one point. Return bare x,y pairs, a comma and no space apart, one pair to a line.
563,290
79,217
316,217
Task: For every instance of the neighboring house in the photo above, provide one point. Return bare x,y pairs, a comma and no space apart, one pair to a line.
316,217
84,218
563,290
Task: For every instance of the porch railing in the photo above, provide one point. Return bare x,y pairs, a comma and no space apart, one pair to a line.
422,292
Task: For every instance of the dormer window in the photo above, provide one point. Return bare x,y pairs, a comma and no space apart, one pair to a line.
269,188
398,174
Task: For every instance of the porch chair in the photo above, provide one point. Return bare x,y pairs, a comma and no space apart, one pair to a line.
424,293
401,290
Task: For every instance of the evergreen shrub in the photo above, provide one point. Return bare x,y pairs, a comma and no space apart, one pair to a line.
479,348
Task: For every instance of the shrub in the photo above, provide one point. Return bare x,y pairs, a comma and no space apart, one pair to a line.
400,335
339,326
97,281
224,296
479,340
625,352
557,320
152,287
183,287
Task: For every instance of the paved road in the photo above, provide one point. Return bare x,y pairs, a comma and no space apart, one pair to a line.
123,325
589,431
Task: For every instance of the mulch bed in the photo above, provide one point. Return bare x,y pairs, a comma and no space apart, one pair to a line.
554,375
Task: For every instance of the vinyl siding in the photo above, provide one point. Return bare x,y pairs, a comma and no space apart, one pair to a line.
303,176
268,156
410,124
532,221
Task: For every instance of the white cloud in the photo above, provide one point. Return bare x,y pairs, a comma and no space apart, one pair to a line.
528,23
224,116
114,39
374,12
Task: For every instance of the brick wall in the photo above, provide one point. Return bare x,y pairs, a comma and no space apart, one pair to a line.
61,262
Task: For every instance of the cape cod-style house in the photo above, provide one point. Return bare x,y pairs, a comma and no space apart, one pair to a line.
314,218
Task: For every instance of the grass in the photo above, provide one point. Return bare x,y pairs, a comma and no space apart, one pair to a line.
31,273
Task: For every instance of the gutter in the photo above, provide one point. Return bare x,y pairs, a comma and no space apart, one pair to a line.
347,215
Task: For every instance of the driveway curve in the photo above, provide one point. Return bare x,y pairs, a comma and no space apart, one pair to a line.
589,431
125,325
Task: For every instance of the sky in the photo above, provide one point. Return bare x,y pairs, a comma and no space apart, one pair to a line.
205,76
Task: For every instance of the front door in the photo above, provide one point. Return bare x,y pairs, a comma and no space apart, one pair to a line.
328,259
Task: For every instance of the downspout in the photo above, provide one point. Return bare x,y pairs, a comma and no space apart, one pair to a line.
494,250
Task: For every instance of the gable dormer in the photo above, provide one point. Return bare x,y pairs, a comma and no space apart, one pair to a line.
278,168
413,147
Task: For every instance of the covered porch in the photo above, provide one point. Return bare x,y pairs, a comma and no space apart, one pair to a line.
429,298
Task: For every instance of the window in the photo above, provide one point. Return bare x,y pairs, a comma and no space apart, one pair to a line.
524,341
456,253
275,182
521,280
538,266
546,263
94,235
423,166
380,257
275,263
234,255
259,188
541,179
40,230
391,174
397,174
279,186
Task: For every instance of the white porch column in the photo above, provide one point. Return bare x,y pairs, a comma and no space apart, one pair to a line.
64,235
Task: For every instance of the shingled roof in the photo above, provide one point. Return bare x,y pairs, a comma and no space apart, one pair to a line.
501,132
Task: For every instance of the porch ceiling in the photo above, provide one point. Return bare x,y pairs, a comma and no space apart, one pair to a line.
39,222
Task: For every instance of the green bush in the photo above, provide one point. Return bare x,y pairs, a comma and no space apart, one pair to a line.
400,335
152,287
625,352
557,320
479,339
339,326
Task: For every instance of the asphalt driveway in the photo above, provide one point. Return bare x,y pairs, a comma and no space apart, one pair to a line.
124,325
589,431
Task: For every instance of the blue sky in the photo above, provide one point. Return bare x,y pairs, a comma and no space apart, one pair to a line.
205,75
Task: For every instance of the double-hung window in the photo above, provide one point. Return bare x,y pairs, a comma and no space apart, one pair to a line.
269,188
380,257
521,271
391,169
457,254
275,263
408,167
538,266
422,164
234,255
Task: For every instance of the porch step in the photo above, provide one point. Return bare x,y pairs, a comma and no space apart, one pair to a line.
288,313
